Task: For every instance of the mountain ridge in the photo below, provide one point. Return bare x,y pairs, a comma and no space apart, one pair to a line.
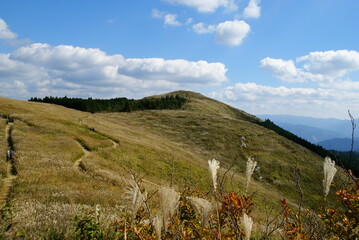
150,144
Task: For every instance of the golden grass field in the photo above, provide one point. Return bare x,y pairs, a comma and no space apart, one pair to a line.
49,141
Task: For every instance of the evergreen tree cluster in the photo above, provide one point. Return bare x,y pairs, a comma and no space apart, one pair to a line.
341,158
115,104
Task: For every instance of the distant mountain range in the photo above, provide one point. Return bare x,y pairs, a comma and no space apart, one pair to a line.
332,134
340,144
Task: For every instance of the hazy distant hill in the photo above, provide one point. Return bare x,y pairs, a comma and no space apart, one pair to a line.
312,134
340,144
330,125
315,130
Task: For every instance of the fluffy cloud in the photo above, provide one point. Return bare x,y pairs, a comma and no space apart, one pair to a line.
253,10
284,70
171,19
206,5
5,32
230,33
318,67
180,70
331,63
201,28
42,69
168,18
64,57
331,91
157,13
253,91
317,102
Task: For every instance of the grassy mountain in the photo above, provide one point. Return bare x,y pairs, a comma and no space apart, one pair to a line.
68,161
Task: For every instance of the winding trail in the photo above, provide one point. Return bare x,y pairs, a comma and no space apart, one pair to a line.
10,172
79,165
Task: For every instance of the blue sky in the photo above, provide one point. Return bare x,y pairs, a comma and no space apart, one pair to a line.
262,56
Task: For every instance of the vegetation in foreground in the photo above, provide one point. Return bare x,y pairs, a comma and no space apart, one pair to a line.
189,214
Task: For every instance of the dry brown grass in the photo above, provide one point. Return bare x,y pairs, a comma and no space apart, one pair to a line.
3,150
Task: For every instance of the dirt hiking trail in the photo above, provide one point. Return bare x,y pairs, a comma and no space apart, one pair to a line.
10,172
79,165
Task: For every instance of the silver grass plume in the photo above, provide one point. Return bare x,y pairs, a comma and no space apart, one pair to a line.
97,212
202,207
251,165
169,201
135,196
329,172
247,223
157,224
213,168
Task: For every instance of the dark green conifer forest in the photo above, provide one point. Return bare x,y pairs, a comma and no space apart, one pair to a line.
115,104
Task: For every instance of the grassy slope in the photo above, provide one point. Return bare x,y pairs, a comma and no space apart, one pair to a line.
49,187
3,149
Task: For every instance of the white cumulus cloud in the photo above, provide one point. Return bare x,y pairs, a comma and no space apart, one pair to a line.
201,28
253,10
157,13
5,32
64,57
326,87
282,69
331,63
171,19
200,72
230,33
41,69
168,18
206,5
315,102
318,67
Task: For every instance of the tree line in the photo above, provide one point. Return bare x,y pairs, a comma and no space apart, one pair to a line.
115,104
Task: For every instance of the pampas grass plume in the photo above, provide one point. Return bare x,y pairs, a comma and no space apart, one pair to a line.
329,172
202,207
169,202
135,196
213,166
251,165
247,225
157,224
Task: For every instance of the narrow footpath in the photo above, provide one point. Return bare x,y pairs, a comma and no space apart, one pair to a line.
79,165
11,170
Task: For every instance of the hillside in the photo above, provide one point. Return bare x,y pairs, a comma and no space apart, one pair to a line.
68,161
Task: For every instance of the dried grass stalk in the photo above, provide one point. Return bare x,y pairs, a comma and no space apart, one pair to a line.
329,172
251,165
247,226
213,168
135,196
169,202
202,207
